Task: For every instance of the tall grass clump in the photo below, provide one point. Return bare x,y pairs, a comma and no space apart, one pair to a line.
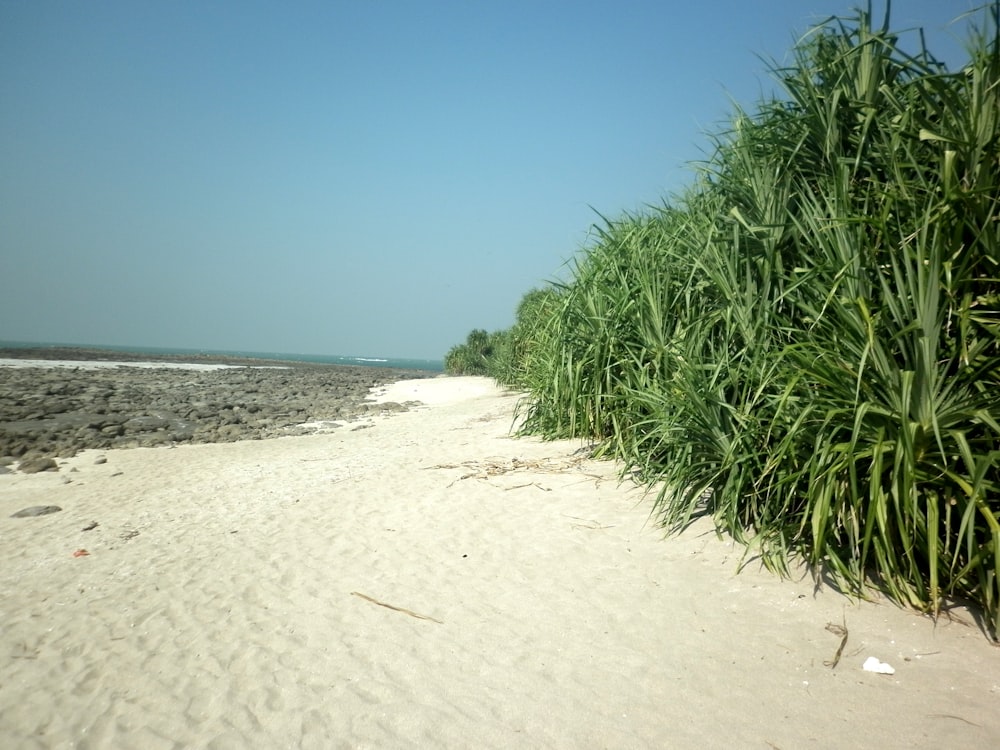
527,339
806,343
508,356
475,356
607,332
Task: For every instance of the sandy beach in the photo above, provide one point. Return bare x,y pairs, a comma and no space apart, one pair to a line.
422,579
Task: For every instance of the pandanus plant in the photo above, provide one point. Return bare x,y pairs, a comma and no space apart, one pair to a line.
806,343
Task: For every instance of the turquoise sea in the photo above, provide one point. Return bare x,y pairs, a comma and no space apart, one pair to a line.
431,365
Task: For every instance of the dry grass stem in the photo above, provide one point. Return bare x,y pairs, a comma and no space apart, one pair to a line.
840,630
394,608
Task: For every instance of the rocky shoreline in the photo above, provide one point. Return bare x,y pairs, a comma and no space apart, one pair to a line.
50,412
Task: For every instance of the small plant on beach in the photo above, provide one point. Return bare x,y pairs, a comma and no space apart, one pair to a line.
806,343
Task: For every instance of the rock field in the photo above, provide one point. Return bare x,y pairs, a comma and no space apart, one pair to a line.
58,411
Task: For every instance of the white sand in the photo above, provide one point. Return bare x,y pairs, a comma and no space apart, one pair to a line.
217,607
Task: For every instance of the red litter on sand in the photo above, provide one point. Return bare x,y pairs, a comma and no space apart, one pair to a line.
80,553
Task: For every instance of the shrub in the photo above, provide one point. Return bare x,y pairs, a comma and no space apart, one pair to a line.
806,342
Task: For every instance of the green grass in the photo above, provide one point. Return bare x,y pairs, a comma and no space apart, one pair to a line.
805,344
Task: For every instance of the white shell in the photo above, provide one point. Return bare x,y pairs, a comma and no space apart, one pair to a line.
874,665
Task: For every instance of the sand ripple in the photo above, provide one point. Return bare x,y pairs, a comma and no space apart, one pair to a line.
215,608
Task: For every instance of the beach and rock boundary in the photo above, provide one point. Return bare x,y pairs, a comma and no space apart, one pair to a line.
57,402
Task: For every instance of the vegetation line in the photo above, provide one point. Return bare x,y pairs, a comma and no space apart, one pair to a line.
806,342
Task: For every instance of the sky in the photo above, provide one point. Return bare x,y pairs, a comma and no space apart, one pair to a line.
351,177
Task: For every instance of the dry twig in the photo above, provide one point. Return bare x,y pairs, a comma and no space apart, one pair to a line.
840,630
499,467
394,608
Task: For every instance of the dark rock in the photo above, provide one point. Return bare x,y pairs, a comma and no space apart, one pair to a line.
36,510
57,412
182,432
36,465
146,423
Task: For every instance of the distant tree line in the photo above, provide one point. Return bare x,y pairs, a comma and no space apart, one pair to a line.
507,355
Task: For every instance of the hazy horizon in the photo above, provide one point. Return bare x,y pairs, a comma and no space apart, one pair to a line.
367,179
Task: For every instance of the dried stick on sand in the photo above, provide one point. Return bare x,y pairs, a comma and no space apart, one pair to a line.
405,611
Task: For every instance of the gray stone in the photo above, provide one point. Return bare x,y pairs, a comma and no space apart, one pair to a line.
57,412
36,465
36,510
146,423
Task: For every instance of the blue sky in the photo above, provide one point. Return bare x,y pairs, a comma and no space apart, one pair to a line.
363,177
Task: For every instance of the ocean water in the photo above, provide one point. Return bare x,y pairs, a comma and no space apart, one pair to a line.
431,365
